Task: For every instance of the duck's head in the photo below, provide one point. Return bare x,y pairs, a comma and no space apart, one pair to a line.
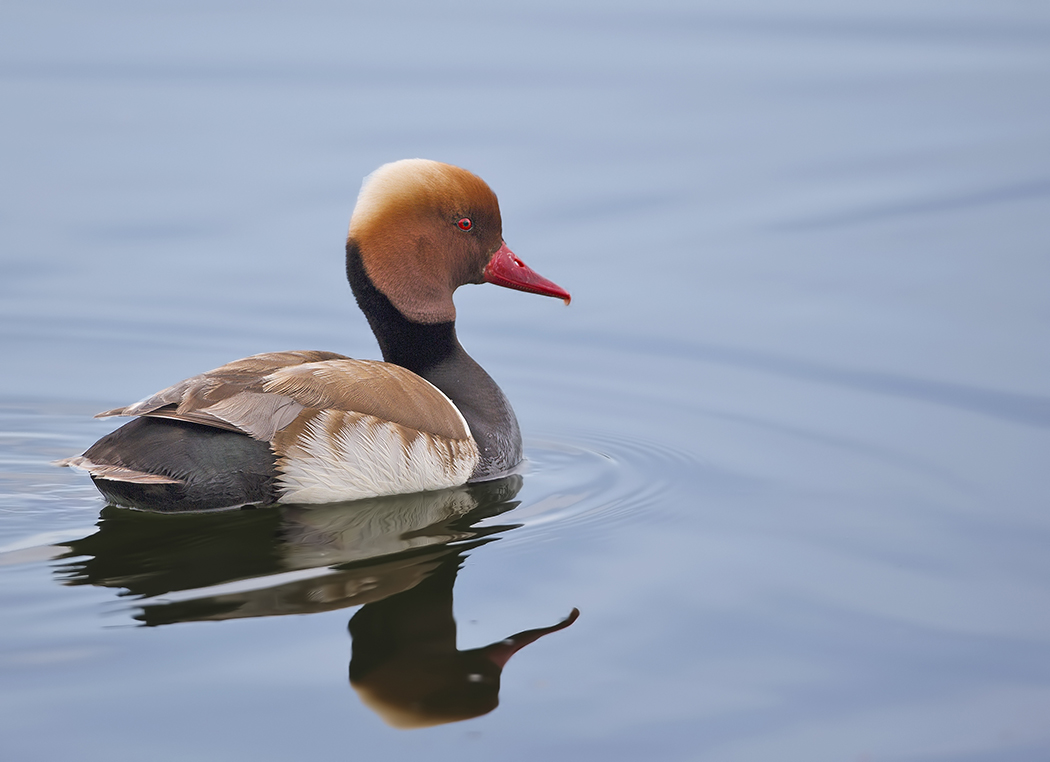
423,229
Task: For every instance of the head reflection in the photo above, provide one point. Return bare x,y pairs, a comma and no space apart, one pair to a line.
406,665
396,557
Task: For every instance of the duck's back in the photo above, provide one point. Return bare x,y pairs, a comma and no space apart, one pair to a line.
305,427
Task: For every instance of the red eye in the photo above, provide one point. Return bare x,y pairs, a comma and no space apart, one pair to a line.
465,224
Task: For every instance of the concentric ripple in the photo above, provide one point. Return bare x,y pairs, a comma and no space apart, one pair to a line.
596,478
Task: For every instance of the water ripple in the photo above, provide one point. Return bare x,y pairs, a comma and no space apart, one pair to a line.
594,479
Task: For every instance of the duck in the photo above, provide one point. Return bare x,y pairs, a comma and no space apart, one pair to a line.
320,427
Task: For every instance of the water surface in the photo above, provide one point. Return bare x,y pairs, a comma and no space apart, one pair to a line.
787,448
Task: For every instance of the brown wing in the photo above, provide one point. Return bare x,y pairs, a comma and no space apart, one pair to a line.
264,394
387,392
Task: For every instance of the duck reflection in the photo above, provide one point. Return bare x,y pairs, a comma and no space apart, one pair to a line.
396,557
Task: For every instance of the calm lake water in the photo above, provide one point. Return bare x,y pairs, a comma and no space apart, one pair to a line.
788,449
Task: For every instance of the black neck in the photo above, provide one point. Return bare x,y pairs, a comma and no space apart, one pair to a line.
433,352
416,346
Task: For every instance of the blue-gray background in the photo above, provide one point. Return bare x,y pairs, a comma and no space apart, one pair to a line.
809,248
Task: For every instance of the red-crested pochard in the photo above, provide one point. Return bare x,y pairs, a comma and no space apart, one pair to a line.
317,427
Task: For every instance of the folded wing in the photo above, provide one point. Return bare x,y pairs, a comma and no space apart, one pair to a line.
339,428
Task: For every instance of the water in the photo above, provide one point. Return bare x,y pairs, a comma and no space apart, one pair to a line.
786,449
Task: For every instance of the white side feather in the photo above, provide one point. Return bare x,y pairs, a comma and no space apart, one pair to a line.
368,457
